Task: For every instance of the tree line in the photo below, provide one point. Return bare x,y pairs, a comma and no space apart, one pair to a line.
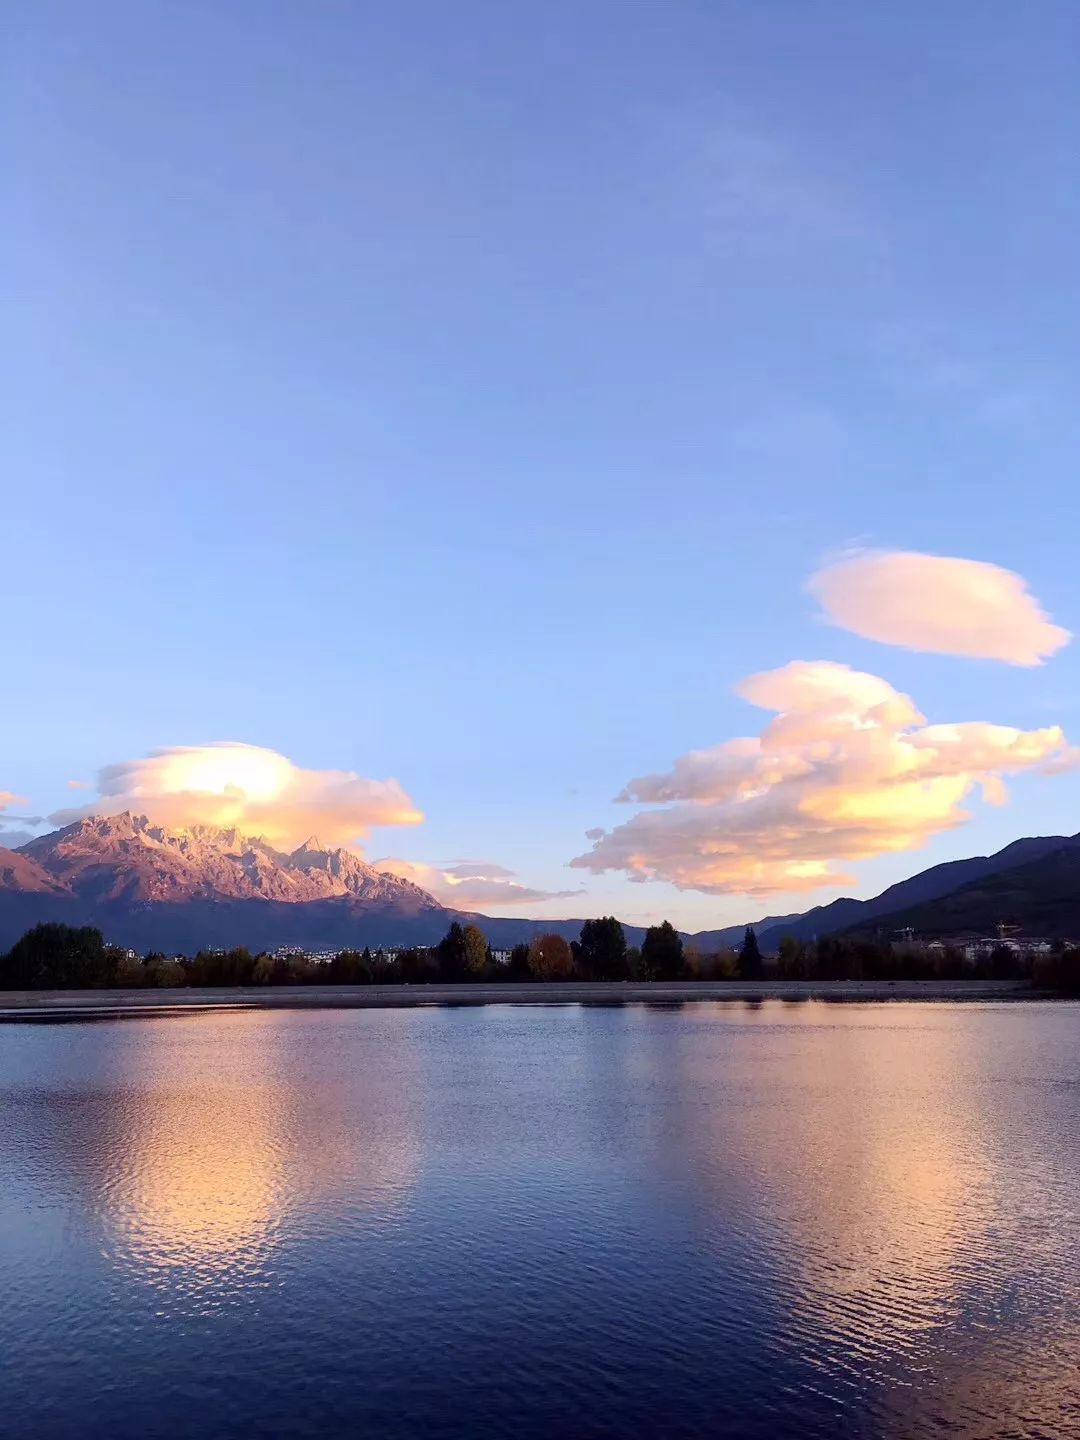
62,957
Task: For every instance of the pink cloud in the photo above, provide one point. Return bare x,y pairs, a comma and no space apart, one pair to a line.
847,770
938,603
253,789
470,884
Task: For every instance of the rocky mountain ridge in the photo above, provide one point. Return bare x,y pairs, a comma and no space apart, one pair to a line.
128,858
180,890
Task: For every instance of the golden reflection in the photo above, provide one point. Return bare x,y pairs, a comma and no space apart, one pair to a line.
202,1184
862,1162
211,1163
892,1189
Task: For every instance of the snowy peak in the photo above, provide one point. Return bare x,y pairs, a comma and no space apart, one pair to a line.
128,857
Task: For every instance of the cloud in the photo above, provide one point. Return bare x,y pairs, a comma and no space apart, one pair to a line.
938,603
258,791
12,838
470,884
78,784
847,770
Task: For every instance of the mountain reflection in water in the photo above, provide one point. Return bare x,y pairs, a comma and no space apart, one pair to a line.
719,1219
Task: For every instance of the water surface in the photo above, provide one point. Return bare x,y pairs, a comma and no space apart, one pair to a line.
822,1220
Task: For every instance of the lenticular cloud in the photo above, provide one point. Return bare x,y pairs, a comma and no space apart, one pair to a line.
256,790
938,603
848,769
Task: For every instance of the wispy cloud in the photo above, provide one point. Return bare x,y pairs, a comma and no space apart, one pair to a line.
938,603
13,831
470,884
847,770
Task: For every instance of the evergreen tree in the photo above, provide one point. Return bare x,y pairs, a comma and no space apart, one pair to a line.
601,951
751,965
519,963
59,957
662,952
452,954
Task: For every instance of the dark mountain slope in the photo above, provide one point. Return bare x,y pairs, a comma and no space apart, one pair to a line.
926,886
1041,897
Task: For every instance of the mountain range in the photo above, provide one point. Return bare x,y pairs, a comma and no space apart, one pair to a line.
911,902
180,890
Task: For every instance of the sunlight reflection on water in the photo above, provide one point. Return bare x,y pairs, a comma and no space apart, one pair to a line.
717,1219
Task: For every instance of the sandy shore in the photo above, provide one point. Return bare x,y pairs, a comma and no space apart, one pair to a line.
61,1004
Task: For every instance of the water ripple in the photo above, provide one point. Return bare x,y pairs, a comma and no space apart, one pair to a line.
575,1222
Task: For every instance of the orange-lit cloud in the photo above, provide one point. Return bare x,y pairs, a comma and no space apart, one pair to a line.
258,791
938,603
470,884
847,770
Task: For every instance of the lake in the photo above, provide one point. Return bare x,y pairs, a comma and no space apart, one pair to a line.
700,1220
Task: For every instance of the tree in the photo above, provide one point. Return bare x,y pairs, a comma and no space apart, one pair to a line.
417,966
300,969
662,952
476,951
751,965
1068,972
550,958
830,959
452,954
265,971
348,968
1004,963
793,962
602,950
519,963
721,965
60,957
165,972
379,967
725,964
131,972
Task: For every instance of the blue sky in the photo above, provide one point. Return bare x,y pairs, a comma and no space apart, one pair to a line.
465,394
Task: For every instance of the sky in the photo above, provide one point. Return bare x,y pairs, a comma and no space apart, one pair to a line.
477,413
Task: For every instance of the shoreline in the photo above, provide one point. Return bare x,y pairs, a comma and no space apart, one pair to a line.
28,1005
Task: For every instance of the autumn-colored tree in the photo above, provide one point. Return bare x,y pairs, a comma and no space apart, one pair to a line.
550,958
476,949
